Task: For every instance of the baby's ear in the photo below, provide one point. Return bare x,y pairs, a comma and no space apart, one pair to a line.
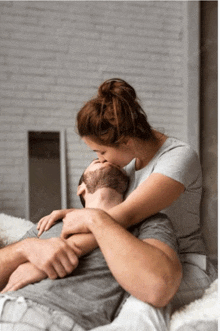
81,188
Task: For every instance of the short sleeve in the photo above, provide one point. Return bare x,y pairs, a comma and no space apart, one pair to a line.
53,232
158,227
32,233
180,163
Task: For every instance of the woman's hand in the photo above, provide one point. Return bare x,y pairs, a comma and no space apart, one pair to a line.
46,222
25,274
78,221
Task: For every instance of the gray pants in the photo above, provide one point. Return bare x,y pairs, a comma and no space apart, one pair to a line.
19,314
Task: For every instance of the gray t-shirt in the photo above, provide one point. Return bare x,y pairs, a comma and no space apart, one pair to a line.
180,162
91,295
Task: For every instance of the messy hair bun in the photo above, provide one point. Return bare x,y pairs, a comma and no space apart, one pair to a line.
113,115
117,87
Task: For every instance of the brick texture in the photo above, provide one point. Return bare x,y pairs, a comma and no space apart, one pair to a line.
53,57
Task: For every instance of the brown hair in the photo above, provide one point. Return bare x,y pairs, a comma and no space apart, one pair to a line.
110,177
114,114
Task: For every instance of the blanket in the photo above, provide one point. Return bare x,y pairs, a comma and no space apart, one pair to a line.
200,315
12,229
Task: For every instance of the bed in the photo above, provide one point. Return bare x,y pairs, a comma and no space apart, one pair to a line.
200,315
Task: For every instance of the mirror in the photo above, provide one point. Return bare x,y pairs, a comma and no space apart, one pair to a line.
46,175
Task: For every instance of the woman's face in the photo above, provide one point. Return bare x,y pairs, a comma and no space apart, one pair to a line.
120,156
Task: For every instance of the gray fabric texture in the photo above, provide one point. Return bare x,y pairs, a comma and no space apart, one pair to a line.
177,160
91,295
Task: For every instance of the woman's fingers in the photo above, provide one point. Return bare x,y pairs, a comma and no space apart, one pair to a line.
49,223
46,222
42,227
41,221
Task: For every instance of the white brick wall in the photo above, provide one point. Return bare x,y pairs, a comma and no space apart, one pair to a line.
54,55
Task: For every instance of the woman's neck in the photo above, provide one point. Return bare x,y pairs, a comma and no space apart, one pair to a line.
146,150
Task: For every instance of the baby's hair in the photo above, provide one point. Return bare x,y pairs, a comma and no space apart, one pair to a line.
114,114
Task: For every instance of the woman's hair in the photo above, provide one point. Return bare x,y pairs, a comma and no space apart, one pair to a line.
113,115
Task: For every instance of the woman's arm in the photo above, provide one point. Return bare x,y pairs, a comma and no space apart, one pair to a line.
156,193
150,270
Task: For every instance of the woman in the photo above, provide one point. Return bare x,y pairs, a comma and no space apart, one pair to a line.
165,175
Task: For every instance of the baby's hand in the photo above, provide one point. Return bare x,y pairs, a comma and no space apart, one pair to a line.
46,222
